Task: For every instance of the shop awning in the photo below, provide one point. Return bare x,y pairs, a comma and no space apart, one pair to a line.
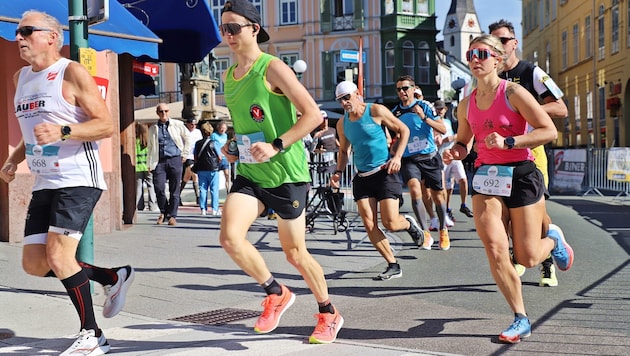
188,28
122,33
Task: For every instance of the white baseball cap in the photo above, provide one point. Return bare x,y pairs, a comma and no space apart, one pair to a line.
324,114
344,88
417,91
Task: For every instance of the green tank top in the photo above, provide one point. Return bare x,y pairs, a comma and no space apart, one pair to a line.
141,158
254,109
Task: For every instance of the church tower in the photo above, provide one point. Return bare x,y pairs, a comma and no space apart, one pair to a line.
460,27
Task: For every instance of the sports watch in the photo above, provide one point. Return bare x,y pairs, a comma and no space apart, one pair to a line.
277,143
509,142
65,132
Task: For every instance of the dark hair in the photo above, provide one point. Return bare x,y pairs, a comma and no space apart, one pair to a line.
500,24
408,78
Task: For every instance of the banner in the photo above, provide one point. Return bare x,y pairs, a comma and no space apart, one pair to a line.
618,164
569,167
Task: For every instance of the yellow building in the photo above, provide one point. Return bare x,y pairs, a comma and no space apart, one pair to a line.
584,46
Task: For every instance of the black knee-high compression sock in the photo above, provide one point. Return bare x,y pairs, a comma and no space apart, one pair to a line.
78,287
421,213
104,276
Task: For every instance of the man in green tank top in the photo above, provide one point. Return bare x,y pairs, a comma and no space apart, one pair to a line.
262,94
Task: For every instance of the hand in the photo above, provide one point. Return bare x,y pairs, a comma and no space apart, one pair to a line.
494,140
7,173
262,151
334,181
230,158
393,165
46,133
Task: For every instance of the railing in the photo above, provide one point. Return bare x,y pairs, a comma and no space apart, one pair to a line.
152,101
596,174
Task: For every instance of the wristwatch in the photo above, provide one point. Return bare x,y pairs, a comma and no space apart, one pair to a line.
277,143
509,142
65,132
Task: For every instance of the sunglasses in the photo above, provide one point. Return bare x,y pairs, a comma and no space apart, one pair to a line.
162,111
233,28
405,88
26,31
345,97
481,53
505,40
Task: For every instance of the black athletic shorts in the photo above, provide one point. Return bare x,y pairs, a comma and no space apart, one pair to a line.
379,185
287,200
424,169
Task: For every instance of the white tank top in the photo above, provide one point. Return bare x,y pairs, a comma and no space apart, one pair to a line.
69,163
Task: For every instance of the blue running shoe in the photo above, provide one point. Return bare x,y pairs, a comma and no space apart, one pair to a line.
562,253
518,329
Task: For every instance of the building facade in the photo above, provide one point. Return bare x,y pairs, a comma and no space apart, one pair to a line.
584,46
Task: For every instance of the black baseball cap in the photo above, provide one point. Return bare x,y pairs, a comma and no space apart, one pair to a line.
246,9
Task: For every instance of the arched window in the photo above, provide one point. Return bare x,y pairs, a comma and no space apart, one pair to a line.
390,62
424,63
407,57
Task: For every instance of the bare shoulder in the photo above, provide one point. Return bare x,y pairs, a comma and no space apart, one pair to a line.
513,88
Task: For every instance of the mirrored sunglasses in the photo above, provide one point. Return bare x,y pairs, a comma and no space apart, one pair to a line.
405,88
233,28
26,31
481,53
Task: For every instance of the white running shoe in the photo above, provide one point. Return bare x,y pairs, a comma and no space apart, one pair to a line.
87,344
435,224
448,221
115,295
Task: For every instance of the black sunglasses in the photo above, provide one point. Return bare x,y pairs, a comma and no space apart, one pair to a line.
345,97
405,88
26,31
233,28
505,40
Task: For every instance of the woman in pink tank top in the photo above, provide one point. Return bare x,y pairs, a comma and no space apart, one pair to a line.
507,187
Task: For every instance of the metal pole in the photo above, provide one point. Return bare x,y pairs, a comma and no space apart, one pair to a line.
78,28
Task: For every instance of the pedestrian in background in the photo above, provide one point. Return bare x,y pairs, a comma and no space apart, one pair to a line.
220,137
376,186
507,187
169,145
187,175
207,163
263,93
62,116
144,178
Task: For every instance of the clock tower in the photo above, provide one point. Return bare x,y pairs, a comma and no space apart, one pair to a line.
460,27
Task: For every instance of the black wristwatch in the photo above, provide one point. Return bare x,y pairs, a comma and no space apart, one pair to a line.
277,143
509,142
65,132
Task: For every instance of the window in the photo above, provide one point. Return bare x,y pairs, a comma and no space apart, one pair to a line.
576,108
547,13
452,41
343,14
424,63
535,58
222,65
588,40
407,57
407,6
600,33
422,7
217,5
390,62
614,45
565,61
288,12
589,108
576,43
553,10
289,58
548,58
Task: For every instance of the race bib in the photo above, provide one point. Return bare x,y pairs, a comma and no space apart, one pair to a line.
42,160
494,180
245,142
417,145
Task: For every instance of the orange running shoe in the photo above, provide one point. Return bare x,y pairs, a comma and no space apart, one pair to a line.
445,241
327,328
274,306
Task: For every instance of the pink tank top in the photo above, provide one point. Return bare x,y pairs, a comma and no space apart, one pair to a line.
500,117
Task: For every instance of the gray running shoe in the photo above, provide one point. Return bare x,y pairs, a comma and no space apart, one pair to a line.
391,272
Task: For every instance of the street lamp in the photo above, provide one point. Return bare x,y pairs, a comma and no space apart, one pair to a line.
299,67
